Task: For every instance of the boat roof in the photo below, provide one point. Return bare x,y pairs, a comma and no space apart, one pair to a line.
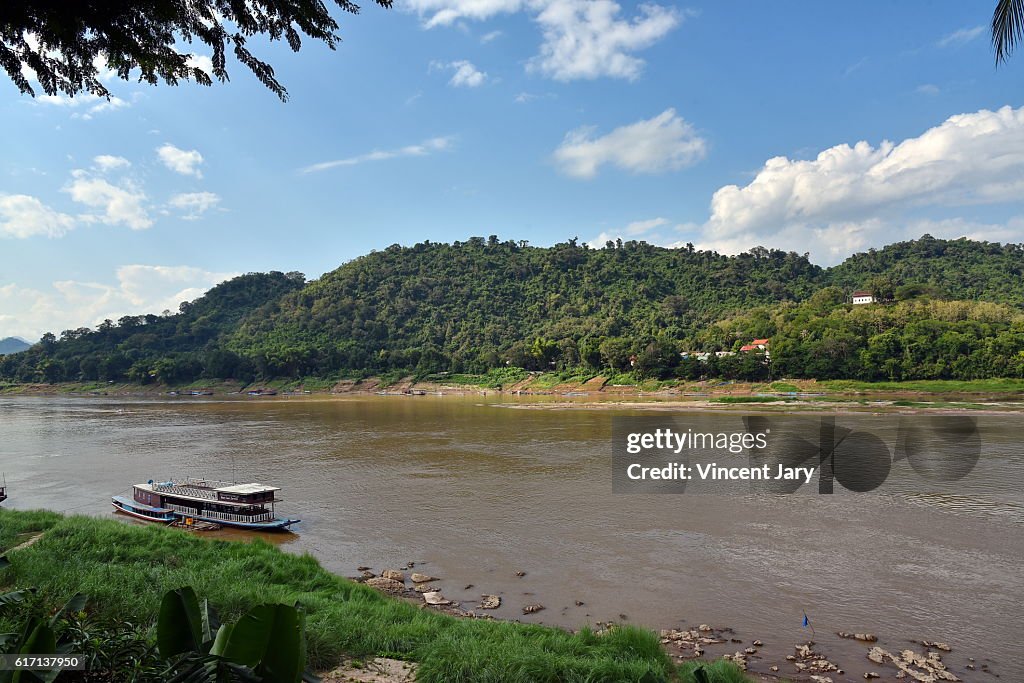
214,485
247,488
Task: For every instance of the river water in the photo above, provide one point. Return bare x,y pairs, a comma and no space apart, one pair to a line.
477,488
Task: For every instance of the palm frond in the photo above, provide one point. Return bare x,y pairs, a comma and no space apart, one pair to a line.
1007,28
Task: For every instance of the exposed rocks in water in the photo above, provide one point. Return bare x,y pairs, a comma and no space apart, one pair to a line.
863,637
393,574
927,668
871,674
808,661
435,598
422,578
423,588
468,586
691,639
363,568
739,659
385,584
579,603
758,643
368,574
532,609
938,646
821,679
520,574
489,602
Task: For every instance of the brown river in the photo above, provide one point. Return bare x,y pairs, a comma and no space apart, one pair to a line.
477,488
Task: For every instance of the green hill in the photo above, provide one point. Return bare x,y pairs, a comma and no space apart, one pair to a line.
628,307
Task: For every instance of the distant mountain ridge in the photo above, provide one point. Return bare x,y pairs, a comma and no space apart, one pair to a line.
484,304
13,345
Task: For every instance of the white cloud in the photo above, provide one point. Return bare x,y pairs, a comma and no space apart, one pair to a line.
488,37
447,12
85,105
581,38
851,197
964,35
423,149
632,230
928,89
466,74
587,39
643,227
663,143
109,162
203,62
185,162
119,204
69,304
194,204
23,216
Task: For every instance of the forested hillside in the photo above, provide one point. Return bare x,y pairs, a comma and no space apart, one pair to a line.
147,348
951,269
479,304
627,307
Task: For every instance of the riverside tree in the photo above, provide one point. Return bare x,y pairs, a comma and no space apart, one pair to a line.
68,45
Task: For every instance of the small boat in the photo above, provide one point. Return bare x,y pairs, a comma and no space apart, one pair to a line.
150,513
3,490
243,506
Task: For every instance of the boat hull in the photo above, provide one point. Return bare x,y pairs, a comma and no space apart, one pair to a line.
271,525
140,511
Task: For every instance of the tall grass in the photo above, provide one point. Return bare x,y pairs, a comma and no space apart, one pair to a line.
17,527
938,386
125,569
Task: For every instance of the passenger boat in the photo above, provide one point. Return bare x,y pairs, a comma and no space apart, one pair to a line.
244,506
3,493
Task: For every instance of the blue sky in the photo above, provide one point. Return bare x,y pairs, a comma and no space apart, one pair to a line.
539,120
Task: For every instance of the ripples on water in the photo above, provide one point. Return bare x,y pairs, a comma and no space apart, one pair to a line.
475,493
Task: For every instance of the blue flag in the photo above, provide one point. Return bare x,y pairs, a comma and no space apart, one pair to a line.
807,622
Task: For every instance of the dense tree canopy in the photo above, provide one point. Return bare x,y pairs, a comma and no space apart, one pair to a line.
68,44
953,309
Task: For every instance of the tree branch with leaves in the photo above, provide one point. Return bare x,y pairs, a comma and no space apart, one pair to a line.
66,46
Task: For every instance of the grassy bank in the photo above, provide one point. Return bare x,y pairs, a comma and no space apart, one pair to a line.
929,386
126,568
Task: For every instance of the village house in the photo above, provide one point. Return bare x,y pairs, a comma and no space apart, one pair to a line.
757,345
703,356
863,297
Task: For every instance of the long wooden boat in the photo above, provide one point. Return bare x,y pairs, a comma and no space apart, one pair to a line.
243,506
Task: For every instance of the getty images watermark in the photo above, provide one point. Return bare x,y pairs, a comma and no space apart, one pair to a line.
786,454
